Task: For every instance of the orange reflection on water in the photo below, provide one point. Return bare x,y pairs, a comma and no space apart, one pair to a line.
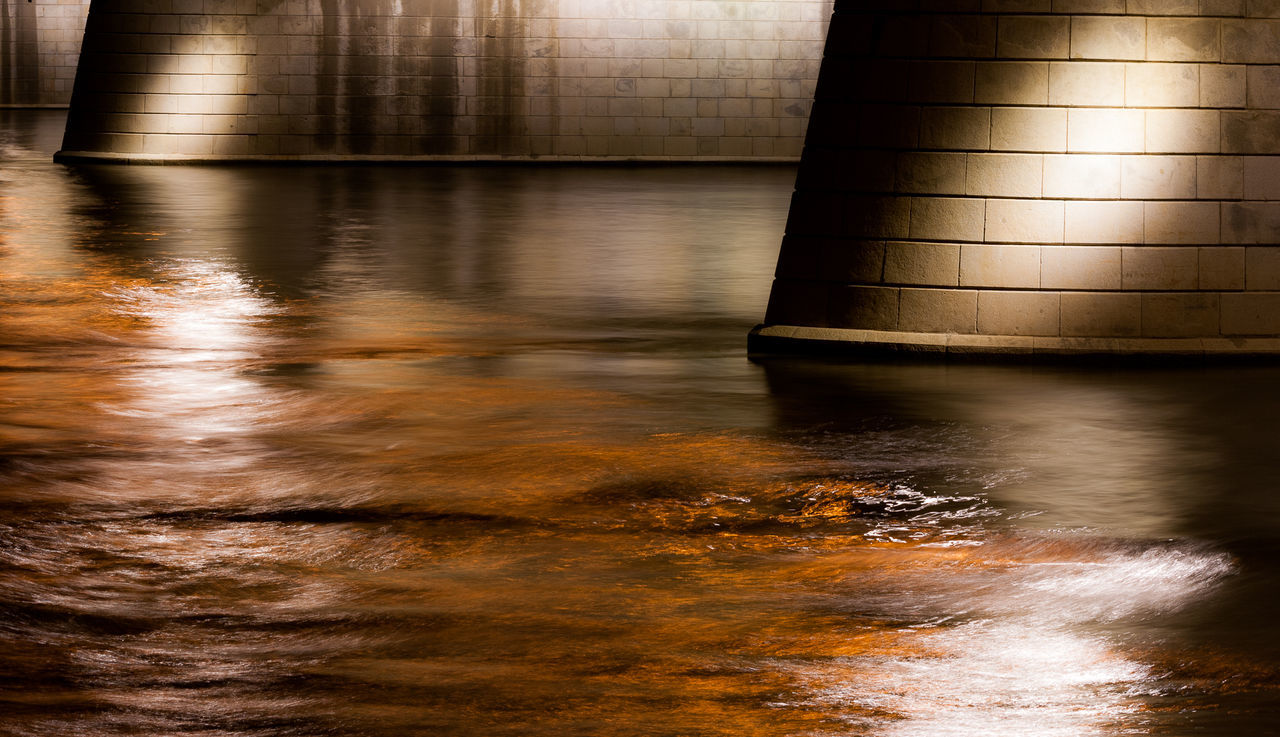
495,554
365,508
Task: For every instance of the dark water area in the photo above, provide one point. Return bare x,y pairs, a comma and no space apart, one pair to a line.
478,451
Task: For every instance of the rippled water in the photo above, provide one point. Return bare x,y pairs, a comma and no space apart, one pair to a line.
449,451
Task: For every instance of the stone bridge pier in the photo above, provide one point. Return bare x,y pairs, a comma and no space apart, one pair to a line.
1038,177
341,80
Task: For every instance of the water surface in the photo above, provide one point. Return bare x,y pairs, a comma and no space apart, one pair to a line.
477,451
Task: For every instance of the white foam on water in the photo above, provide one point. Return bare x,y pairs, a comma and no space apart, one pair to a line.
1021,662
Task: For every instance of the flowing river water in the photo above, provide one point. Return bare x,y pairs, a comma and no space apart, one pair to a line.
478,451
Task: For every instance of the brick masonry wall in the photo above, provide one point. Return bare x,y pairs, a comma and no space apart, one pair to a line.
566,79
1026,171
39,46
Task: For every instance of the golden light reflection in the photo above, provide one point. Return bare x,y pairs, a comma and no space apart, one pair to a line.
230,510
1012,658
606,568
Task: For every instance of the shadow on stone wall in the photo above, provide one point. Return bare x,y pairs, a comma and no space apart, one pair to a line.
19,53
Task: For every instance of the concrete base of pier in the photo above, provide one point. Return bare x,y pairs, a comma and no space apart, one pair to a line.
796,339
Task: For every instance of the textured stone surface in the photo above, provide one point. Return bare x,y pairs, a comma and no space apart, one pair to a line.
1121,174
1005,175
1158,177
1082,176
1018,313
1101,314
569,79
39,47
984,265
922,263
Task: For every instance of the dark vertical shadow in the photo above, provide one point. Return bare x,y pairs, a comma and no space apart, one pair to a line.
19,54
7,68
500,124
439,101
327,78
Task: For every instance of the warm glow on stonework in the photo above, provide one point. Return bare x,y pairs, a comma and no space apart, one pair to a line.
1095,178
394,80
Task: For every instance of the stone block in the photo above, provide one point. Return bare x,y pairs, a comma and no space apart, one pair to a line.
1095,37
1251,132
933,264
793,302
924,172
1250,222
1023,221
1263,87
1028,129
1251,41
938,311
1221,268
1228,8
1261,177
1222,86
956,128
1034,37
902,35
1105,131
890,126
875,80
1104,315
1219,177
1159,267
1187,315
1074,83
1107,7
1162,7
869,216
1080,267
1181,222
971,36
1089,221
1005,266
195,145
1250,313
162,143
1149,84
1082,176
1262,268
867,308
876,170
848,260
1184,39
1010,6
941,81
1183,131
1011,83
1262,9
1004,175
1018,313
947,218
1158,178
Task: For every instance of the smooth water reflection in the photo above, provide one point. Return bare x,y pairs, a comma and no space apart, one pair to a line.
384,451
